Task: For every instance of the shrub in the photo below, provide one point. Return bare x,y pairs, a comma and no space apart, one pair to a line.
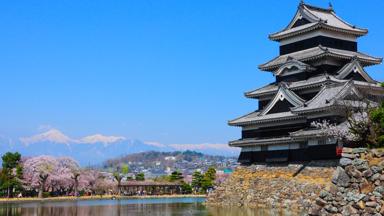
377,118
186,188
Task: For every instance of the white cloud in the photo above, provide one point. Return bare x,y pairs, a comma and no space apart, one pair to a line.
52,135
155,144
98,138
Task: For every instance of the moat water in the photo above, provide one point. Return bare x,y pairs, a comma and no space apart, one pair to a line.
132,207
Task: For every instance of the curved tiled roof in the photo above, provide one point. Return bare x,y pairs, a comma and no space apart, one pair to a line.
283,94
317,53
256,141
319,18
329,96
314,81
354,67
255,117
290,64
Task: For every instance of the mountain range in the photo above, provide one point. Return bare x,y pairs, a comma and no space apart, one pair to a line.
94,149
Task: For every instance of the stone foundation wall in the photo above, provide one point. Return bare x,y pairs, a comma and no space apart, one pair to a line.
274,186
357,185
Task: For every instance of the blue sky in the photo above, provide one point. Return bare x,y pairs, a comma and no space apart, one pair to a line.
163,71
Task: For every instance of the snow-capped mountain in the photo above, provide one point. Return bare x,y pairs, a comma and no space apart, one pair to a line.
94,149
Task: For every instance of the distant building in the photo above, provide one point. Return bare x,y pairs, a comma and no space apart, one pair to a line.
319,68
170,158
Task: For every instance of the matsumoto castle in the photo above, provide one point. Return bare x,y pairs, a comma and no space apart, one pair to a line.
319,68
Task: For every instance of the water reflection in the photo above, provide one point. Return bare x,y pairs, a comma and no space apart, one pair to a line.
242,211
153,207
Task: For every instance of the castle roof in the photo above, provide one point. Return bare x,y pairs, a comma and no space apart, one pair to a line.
340,76
329,96
256,117
260,141
354,67
264,116
318,53
309,18
293,66
314,81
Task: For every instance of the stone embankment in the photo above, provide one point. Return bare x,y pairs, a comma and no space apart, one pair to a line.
357,185
292,186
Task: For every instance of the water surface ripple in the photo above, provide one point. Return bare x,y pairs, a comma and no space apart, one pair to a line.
131,207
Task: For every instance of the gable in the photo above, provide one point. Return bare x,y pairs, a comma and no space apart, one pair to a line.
354,71
300,22
288,70
283,101
355,76
348,92
281,106
292,66
302,17
351,96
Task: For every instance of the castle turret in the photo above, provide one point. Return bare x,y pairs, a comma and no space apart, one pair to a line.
318,69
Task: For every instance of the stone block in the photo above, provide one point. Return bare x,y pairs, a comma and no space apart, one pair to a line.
367,173
340,177
345,162
359,150
371,204
349,210
321,202
347,150
345,155
366,187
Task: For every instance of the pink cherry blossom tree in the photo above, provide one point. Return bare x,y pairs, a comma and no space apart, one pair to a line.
39,172
67,174
88,180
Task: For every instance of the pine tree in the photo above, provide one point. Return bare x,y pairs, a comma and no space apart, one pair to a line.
11,172
176,176
197,180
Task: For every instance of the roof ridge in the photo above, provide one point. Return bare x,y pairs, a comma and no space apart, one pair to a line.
288,91
317,95
330,10
347,23
311,54
313,7
346,85
318,17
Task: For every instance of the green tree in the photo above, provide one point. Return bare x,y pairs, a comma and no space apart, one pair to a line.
125,169
140,177
119,174
377,117
197,180
186,188
176,176
208,179
210,174
11,172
